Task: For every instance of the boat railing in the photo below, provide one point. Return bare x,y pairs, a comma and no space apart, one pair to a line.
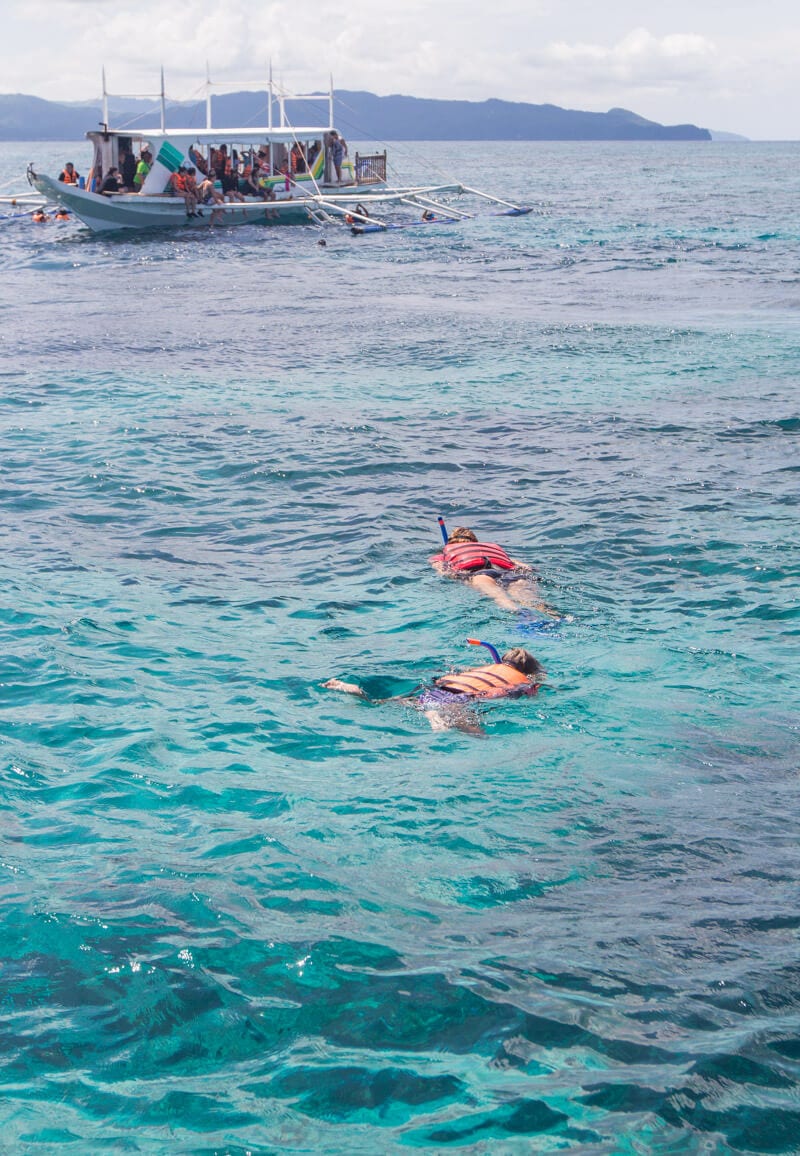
370,169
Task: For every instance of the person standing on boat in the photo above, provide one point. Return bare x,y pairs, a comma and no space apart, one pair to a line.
128,168
69,176
142,169
338,153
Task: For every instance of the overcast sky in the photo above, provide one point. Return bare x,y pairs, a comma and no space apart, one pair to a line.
722,64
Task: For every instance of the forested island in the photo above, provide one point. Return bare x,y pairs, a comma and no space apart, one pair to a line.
360,115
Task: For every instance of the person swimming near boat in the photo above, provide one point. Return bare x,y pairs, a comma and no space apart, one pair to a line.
450,702
69,176
489,570
39,216
359,214
61,215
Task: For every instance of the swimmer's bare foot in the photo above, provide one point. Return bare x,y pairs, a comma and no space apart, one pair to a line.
452,721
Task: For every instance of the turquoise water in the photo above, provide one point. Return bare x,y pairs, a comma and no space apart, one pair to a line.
243,914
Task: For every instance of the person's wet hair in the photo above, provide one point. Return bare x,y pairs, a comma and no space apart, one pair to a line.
523,661
462,534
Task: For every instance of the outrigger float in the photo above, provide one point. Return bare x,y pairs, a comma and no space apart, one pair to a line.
298,181
17,206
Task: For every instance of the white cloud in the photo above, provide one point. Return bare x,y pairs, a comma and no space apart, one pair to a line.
682,63
639,59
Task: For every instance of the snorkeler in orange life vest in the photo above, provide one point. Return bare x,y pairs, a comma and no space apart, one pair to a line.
449,703
489,570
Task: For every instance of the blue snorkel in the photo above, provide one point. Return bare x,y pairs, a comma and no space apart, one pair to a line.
488,645
443,528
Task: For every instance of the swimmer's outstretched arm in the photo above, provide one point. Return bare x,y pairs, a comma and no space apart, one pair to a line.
359,692
345,687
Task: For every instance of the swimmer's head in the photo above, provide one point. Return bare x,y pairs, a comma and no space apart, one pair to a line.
523,661
462,534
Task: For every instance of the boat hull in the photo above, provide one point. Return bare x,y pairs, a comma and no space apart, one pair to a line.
134,211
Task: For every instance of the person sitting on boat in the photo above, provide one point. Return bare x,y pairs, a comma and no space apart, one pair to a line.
127,168
112,182
226,174
177,182
249,183
69,176
190,190
208,193
490,571
39,216
450,702
298,158
230,188
142,169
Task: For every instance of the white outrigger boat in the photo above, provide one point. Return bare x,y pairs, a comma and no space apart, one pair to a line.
297,176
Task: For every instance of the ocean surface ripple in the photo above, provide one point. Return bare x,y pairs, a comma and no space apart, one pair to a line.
243,914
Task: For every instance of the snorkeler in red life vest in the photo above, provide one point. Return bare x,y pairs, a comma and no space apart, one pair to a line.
449,702
490,570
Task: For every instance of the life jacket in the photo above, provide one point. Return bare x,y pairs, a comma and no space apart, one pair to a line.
493,681
475,556
69,178
179,183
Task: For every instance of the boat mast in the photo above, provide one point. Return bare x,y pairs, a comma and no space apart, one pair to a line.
330,104
270,91
269,96
105,100
163,102
208,97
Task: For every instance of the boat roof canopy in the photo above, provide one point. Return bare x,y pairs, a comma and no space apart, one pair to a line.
250,135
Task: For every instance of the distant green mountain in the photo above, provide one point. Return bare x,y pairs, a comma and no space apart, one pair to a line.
360,115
